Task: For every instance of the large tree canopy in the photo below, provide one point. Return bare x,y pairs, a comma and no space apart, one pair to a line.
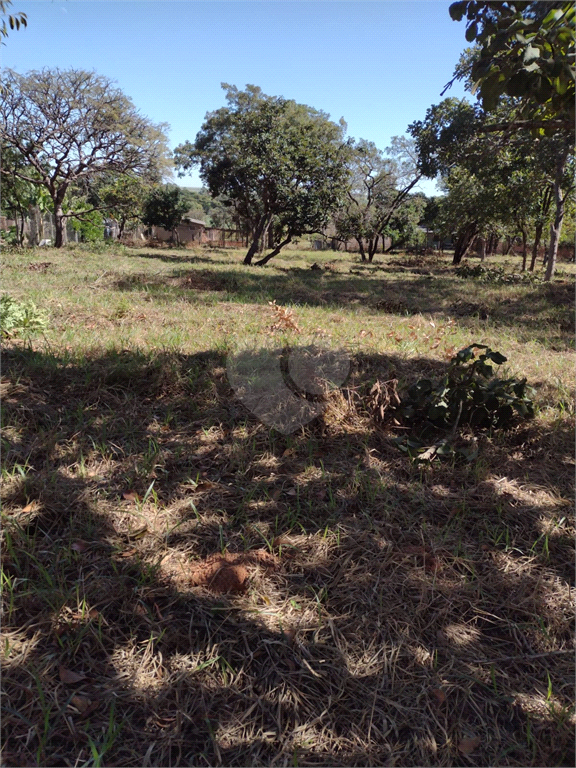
281,165
489,181
70,126
525,50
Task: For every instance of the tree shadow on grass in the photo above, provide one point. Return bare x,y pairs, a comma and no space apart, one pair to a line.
370,643
218,256
545,311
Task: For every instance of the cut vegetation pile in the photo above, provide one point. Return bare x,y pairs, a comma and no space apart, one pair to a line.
183,585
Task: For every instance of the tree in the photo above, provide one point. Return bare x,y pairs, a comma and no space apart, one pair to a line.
526,50
402,226
513,175
373,196
70,126
165,207
451,146
282,165
120,197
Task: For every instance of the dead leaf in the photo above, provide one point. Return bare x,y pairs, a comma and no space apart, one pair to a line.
81,703
469,744
291,492
439,695
79,545
93,613
128,552
69,677
130,496
205,485
30,507
137,533
289,634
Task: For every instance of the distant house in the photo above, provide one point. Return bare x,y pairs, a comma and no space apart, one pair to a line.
190,231
196,231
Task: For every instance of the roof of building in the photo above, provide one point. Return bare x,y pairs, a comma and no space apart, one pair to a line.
188,220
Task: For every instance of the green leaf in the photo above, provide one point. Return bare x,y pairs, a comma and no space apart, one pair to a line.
551,17
518,84
469,453
484,369
472,32
496,357
491,90
465,354
457,11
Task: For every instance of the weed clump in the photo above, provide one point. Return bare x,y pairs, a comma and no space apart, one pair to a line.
469,394
20,318
496,275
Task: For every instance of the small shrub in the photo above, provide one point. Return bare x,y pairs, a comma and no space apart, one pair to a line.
468,395
20,318
9,236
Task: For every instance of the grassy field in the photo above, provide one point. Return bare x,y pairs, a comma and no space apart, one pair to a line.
184,585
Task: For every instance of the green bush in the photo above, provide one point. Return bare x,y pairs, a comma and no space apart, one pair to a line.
90,227
468,395
20,318
9,236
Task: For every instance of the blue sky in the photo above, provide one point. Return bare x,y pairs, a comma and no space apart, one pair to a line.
379,64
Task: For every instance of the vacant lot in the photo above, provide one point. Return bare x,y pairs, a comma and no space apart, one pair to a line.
184,585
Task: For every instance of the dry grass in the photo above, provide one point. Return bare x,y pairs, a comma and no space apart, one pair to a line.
184,585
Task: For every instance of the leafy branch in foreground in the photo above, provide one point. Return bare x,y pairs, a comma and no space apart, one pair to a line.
468,395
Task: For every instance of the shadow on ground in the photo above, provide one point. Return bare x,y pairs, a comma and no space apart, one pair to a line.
545,312
413,617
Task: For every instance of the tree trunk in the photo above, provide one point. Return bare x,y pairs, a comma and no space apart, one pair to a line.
463,243
19,220
483,249
556,225
536,244
524,249
35,216
372,248
275,252
492,244
60,234
252,250
257,233
59,225
361,248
